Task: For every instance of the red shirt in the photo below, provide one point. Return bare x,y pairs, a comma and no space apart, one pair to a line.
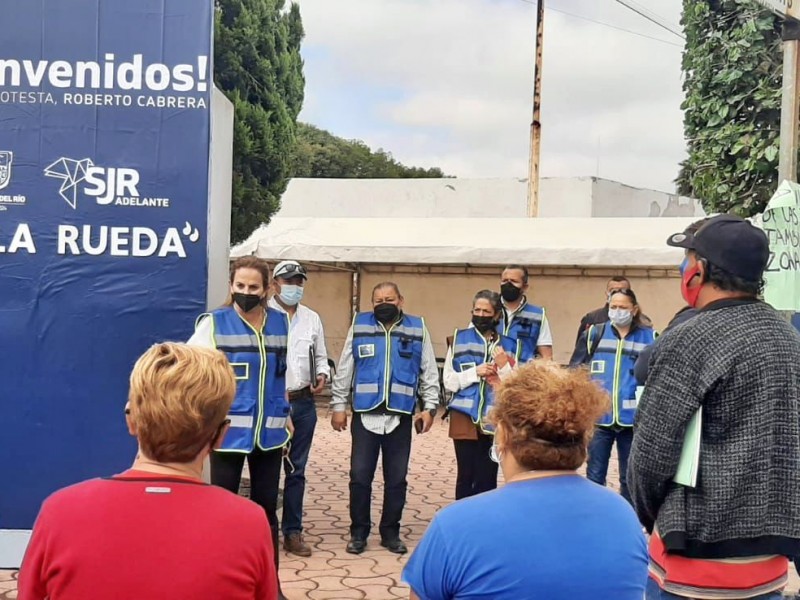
744,577
143,536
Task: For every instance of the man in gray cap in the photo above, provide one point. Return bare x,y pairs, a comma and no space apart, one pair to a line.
307,371
736,364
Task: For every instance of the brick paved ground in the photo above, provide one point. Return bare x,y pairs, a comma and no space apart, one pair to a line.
331,573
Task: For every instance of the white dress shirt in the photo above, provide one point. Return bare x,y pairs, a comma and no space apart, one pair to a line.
455,381
385,423
305,333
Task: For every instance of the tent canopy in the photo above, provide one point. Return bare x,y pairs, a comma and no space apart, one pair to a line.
583,242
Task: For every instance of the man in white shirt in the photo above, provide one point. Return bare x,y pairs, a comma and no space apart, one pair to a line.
387,359
523,322
306,374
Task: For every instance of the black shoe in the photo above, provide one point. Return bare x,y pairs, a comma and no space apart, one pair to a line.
356,546
395,546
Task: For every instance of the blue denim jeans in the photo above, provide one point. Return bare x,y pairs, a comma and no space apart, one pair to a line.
654,592
600,453
304,418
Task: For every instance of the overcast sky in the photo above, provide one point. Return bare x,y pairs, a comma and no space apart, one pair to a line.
449,83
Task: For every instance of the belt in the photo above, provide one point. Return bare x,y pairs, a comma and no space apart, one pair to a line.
301,393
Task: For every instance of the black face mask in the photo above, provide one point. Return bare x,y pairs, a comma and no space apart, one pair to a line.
386,313
510,292
483,324
246,302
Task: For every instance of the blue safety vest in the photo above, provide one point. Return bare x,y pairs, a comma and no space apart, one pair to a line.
611,364
524,328
387,363
260,409
471,349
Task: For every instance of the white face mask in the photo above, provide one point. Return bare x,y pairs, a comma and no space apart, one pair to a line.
494,454
291,294
620,316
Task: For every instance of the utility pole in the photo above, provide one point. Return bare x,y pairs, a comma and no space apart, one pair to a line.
790,101
536,125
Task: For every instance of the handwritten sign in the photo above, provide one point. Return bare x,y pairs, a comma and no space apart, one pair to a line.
781,223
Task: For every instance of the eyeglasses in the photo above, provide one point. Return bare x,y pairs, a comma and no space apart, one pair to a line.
289,269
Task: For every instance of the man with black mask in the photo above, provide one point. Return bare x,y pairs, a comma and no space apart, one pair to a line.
523,322
386,360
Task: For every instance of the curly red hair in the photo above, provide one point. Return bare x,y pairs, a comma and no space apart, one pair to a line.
548,415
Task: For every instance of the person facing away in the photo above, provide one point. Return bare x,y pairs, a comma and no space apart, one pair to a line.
478,359
737,362
523,322
254,338
548,532
157,531
610,351
306,374
387,359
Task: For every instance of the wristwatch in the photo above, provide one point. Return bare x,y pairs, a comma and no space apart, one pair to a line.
432,411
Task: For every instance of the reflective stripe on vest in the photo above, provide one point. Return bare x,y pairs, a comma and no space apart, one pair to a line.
387,363
524,328
470,349
260,410
612,366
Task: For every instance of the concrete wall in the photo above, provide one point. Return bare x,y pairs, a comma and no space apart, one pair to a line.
478,198
219,201
613,199
564,197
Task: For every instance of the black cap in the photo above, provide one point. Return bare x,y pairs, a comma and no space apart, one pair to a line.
730,243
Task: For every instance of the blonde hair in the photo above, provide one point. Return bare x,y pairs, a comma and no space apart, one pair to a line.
548,414
179,397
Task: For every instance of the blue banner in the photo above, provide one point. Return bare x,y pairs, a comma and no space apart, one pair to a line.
104,154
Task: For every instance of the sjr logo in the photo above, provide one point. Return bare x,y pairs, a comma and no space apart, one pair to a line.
108,184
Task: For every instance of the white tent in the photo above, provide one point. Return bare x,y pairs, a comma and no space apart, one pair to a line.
586,242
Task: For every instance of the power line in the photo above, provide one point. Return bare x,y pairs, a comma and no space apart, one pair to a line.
643,35
604,24
652,17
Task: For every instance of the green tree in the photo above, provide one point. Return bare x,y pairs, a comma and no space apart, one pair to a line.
732,84
258,66
321,154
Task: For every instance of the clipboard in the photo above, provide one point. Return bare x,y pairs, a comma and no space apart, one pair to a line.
312,365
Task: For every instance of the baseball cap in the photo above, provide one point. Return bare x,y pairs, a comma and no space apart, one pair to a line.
289,268
730,243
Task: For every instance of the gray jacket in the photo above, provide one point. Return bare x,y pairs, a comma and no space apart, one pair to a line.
739,361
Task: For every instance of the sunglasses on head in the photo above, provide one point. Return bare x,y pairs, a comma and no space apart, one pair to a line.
623,291
289,269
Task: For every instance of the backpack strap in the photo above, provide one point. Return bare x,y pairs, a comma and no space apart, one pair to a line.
593,342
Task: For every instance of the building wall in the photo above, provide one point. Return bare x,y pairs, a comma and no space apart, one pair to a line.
444,298
613,199
443,295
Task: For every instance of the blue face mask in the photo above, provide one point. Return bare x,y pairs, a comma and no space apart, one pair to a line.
291,294
683,265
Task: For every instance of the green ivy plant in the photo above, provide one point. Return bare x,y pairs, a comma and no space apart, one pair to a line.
732,69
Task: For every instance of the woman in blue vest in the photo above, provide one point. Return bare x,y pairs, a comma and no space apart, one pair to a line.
478,359
254,338
611,350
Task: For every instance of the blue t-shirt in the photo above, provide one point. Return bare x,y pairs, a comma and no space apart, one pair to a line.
555,538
